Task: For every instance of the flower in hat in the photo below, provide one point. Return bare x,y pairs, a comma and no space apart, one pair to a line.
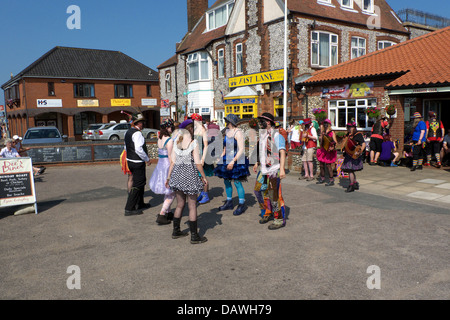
196,117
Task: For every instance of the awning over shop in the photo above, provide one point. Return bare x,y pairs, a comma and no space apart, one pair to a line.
241,92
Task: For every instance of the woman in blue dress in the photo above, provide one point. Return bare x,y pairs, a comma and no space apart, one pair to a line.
234,164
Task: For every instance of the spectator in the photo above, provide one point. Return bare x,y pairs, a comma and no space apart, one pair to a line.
295,131
389,153
418,138
407,157
9,151
445,151
376,139
17,144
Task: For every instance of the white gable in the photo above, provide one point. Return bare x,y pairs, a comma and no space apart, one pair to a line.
236,23
273,9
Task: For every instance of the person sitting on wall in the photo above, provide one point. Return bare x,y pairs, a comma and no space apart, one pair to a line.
406,160
17,144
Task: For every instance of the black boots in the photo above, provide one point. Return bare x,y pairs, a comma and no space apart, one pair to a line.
162,219
350,188
177,233
195,237
228,205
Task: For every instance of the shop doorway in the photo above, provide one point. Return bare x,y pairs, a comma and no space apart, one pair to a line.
442,109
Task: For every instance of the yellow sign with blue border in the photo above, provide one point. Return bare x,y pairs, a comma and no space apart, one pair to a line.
256,78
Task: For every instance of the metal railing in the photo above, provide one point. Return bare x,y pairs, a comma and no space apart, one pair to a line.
423,18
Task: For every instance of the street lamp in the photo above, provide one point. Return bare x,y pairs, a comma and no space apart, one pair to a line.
303,90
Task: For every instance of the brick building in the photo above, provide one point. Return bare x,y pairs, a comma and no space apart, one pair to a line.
73,87
232,57
414,76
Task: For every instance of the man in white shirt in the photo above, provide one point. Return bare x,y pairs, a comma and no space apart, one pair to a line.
137,158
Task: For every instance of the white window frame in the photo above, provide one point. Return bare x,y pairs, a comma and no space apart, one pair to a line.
239,57
358,47
198,58
168,82
221,63
333,44
335,105
370,9
326,3
212,15
384,42
349,6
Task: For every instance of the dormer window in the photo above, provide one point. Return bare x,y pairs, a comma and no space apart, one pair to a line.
347,4
368,5
219,16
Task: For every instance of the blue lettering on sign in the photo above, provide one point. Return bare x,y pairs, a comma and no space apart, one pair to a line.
42,102
239,101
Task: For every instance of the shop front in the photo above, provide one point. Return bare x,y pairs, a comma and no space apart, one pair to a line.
423,100
254,94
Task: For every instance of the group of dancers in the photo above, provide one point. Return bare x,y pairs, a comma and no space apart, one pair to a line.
353,151
189,153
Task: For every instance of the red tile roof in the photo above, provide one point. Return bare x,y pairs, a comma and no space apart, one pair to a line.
311,7
422,61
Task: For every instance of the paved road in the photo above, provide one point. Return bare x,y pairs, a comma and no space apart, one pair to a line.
398,221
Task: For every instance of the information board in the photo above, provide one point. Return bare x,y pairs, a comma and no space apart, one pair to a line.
76,154
102,152
60,154
45,154
16,182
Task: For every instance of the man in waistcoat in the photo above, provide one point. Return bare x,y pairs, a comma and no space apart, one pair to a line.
137,158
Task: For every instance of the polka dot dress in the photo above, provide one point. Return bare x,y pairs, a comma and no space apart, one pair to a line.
185,176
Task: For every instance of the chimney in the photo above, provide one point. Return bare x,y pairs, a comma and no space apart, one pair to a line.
195,10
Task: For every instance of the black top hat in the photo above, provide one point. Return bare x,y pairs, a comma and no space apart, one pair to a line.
137,117
267,116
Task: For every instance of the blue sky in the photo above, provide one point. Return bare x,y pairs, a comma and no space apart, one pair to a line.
146,30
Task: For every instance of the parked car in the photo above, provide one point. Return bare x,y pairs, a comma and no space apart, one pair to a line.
116,131
88,134
43,135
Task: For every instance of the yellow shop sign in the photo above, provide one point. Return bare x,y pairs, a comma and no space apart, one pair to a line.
257,78
120,102
87,103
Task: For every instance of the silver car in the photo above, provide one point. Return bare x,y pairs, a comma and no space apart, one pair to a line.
88,134
116,131
43,135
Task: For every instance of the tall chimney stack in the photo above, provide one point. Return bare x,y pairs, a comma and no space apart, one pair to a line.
195,10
